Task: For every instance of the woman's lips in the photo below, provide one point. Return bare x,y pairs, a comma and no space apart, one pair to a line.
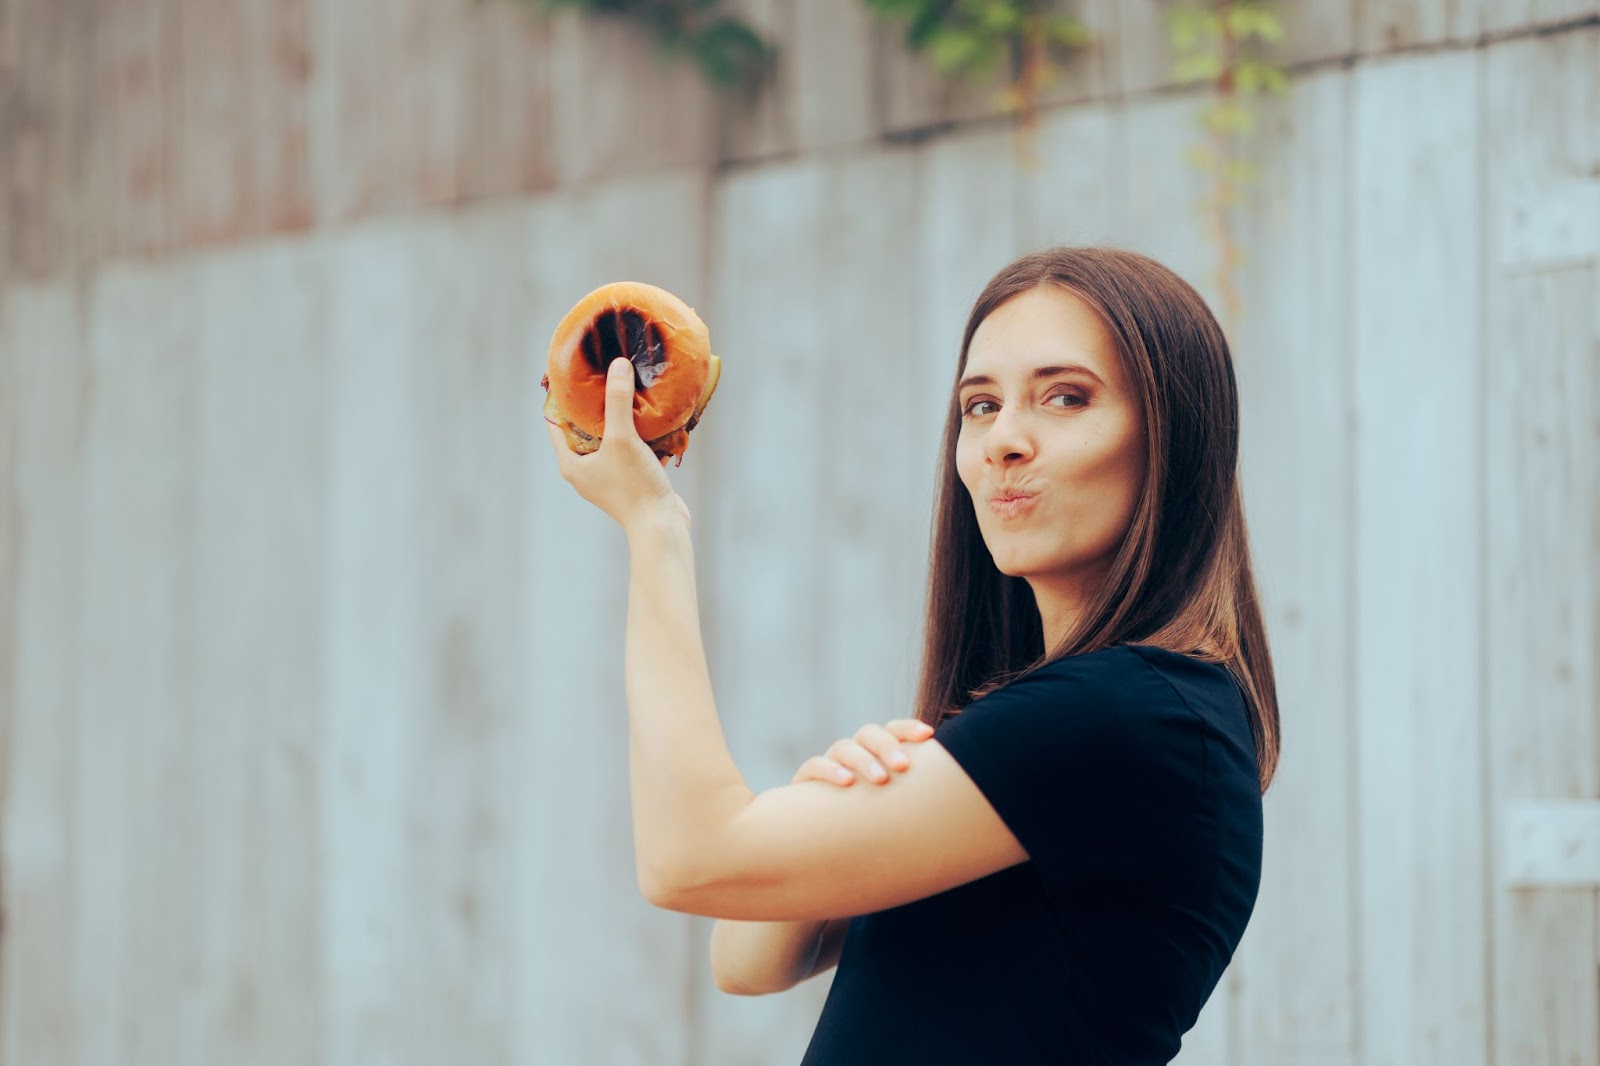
1014,505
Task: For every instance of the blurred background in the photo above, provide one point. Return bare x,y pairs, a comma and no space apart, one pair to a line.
314,740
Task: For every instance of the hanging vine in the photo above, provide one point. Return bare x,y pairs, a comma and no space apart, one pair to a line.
731,55
1220,41
966,39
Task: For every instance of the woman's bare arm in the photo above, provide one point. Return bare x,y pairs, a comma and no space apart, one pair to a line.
760,958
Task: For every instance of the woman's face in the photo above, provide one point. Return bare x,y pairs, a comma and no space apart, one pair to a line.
1048,416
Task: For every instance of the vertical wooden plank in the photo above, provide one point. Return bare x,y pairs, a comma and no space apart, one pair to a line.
375,678
45,126
1297,965
242,168
389,105
425,756
43,389
761,517
134,819
509,141
1419,441
251,731
1166,217
873,524
1542,413
1079,192
1544,689
649,114
1387,25
830,55
1505,16
759,125
136,148
575,742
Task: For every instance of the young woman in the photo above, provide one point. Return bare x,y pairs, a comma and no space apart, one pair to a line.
1062,868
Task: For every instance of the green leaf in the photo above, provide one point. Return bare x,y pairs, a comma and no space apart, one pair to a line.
1201,66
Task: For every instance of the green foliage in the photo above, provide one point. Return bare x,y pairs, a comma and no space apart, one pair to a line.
967,38
729,53
1217,42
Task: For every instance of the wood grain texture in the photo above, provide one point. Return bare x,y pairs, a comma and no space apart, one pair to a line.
647,113
46,385
1388,25
763,518
1419,555
1541,410
242,166
138,96
48,123
1298,962
591,942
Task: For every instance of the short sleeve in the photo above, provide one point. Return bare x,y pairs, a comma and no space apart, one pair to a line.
1092,761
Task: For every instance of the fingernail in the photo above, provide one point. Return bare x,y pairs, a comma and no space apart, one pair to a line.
897,759
877,772
842,774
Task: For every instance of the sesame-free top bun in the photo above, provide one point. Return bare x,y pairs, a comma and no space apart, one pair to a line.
674,372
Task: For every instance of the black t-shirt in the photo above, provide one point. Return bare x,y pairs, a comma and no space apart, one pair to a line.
1129,776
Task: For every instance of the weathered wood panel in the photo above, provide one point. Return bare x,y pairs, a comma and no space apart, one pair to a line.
134,816
646,113
242,164
1418,362
608,974
1298,962
508,144
1542,485
761,513
45,383
1501,16
248,721
47,123
1078,194
1386,25
137,96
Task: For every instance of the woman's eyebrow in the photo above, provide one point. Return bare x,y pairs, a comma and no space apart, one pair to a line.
1041,372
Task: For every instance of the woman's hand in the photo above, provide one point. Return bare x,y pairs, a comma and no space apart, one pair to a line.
867,753
623,477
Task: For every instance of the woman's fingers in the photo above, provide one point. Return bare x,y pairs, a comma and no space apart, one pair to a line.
822,768
868,754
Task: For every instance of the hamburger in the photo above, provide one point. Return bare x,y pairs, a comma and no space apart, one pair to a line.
674,372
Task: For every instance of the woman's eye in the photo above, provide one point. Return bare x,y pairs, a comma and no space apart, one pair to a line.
971,410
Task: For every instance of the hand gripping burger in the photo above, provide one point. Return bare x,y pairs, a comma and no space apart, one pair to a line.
674,372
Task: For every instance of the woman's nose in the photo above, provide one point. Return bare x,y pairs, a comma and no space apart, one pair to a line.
1007,438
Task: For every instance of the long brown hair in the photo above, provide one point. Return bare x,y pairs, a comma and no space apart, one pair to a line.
1181,579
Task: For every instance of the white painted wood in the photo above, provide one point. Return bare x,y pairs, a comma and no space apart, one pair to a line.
134,817
1419,432
43,363
1542,320
1389,25
1079,192
1552,844
1298,961
832,74
760,513
245,811
1544,115
1503,16
607,975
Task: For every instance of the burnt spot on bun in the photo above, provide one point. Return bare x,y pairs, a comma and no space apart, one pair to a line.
626,333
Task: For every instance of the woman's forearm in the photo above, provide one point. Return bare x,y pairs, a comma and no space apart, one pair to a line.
760,958
685,785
